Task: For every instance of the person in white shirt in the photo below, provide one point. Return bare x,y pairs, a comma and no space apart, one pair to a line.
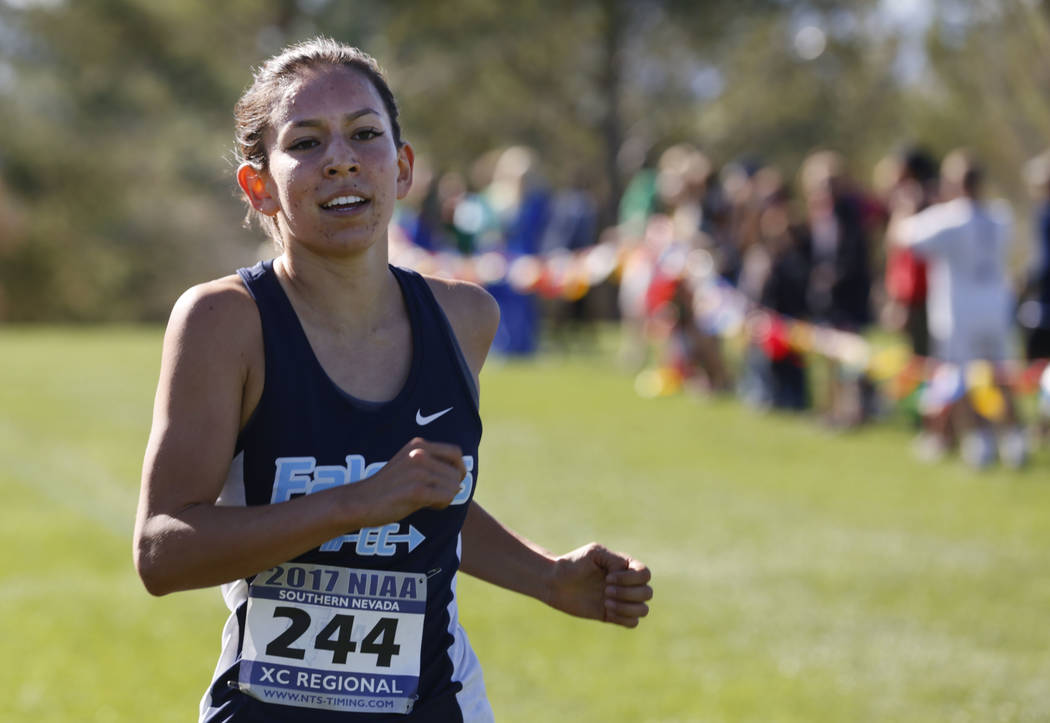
965,241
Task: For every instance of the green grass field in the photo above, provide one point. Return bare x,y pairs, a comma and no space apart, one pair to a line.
799,575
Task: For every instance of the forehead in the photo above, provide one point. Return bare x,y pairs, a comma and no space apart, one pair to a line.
318,93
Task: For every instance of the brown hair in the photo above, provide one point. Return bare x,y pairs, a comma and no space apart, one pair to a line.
254,109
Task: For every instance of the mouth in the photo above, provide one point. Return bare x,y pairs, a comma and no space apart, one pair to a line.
344,203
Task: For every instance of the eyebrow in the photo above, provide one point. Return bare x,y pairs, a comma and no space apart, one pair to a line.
349,117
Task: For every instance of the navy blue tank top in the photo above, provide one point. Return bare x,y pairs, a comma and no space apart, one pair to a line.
367,621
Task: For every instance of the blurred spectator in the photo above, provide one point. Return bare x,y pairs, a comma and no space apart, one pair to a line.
840,284
693,350
638,202
418,214
638,257
573,225
637,162
1034,312
912,186
689,193
965,241
682,187
521,202
573,222
775,274
738,226
839,291
451,192
477,228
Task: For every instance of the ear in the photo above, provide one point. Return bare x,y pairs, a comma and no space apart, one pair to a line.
253,183
406,158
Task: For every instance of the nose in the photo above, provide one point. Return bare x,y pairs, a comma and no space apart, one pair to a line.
341,167
341,160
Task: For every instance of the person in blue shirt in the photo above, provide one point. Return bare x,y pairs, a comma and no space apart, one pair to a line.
1034,313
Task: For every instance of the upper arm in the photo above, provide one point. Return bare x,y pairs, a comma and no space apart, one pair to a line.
211,357
473,315
925,232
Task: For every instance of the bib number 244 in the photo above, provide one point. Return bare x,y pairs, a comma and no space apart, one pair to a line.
337,636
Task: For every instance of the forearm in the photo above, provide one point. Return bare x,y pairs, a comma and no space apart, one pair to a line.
204,544
185,540
497,555
589,582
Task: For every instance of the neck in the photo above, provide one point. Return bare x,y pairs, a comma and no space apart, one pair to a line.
956,193
347,291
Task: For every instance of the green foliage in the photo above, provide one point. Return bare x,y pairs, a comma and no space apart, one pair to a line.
117,188
799,576
993,71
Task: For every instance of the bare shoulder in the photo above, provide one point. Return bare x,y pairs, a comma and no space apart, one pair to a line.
221,309
215,327
473,314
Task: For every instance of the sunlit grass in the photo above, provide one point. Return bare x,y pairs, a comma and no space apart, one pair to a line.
800,575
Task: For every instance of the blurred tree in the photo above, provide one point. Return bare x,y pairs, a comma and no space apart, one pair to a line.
117,128
813,79
989,83
571,80
119,148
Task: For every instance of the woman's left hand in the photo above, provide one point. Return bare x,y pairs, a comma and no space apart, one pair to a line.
594,582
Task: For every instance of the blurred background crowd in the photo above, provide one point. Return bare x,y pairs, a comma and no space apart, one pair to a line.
743,278
759,193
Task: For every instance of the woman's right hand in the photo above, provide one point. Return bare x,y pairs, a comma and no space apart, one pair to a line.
422,474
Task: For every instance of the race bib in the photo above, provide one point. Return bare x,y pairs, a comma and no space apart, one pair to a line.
334,638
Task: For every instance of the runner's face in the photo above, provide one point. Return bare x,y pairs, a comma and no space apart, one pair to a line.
333,166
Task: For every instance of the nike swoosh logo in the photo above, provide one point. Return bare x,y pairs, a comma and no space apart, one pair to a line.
424,421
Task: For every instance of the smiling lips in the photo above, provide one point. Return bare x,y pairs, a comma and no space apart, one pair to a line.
344,202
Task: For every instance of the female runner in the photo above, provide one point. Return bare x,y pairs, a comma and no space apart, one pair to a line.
315,435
